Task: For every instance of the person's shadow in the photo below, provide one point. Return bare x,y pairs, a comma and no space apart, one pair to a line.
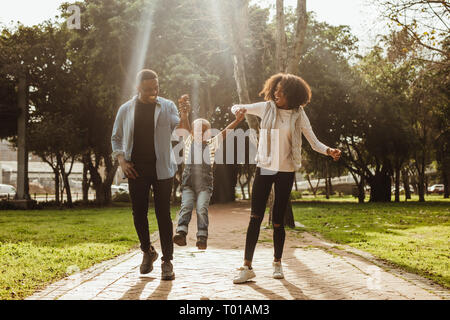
269,294
162,291
294,291
135,291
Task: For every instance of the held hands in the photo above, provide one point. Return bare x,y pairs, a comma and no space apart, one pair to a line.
240,114
184,105
334,153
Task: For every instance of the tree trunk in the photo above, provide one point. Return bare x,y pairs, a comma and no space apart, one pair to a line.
101,196
62,188
299,38
65,178
421,187
68,190
360,185
397,184
421,178
224,191
330,185
237,16
242,185
405,177
281,42
86,182
327,185
380,186
361,192
445,180
313,190
56,172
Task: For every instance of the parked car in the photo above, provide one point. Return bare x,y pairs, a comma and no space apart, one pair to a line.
436,188
118,189
5,190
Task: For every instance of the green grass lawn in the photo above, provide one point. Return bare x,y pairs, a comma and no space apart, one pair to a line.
414,236
42,246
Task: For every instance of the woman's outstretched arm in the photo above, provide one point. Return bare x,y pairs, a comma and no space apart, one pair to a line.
256,109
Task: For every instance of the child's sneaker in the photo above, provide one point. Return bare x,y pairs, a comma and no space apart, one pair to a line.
201,243
244,275
180,238
277,270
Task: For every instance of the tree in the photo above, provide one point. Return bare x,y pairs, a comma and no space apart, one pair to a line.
99,53
426,100
422,23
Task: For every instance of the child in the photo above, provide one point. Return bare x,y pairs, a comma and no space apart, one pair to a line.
197,178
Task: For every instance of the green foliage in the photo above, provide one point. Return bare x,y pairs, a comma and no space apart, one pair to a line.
296,195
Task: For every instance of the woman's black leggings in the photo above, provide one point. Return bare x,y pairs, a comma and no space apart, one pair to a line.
261,191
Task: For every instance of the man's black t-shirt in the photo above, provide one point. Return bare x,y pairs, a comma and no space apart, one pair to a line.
144,131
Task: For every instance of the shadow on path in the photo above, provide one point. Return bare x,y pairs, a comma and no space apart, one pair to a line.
314,279
162,291
269,294
135,291
294,291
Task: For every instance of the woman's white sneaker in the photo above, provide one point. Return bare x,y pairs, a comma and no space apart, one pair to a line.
277,270
244,275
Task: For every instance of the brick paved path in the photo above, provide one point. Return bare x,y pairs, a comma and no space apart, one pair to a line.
314,269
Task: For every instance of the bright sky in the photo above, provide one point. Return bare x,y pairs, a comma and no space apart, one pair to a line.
360,15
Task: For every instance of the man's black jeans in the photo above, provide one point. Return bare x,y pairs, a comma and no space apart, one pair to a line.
139,192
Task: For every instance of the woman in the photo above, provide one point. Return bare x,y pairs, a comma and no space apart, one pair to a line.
283,121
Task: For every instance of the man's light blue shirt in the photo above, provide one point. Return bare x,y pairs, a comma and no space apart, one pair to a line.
166,120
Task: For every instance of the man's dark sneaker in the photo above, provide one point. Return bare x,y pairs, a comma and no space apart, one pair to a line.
201,243
180,238
147,261
167,271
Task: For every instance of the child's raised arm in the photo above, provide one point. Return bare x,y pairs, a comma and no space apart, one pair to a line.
184,107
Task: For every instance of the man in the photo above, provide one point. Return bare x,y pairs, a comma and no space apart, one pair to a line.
141,142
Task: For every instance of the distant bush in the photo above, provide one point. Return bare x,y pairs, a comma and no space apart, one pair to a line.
296,195
9,205
6,205
75,204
